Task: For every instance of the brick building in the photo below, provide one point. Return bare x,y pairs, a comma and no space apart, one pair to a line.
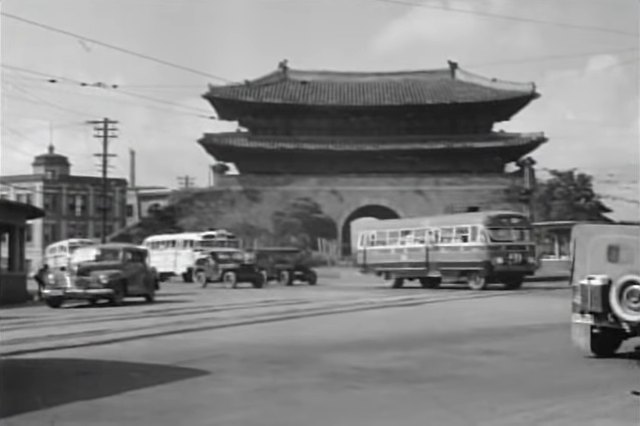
385,145
73,204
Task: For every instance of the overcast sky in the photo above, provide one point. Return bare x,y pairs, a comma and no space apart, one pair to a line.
582,54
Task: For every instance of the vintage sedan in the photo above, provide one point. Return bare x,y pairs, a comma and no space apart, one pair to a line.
110,271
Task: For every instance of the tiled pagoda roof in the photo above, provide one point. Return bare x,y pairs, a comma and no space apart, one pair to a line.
240,140
363,89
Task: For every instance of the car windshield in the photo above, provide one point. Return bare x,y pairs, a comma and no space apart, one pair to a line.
107,255
228,257
84,254
509,234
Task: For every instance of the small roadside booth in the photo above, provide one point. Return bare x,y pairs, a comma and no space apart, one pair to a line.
13,270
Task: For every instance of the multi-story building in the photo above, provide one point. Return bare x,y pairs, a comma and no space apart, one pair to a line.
73,204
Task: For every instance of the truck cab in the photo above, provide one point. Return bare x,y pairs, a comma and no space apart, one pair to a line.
605,280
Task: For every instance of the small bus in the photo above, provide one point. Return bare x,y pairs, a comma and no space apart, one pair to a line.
175,254
58,255
479,248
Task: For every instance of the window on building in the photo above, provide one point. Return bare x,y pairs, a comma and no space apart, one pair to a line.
77,205
28,233
50,203
50,233
129,210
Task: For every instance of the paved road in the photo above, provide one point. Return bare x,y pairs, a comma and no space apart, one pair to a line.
348,352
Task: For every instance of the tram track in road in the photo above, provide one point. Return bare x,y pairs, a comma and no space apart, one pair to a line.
38,343
54,321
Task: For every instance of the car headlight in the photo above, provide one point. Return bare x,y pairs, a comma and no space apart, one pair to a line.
103,279
498,260
51,278
531,260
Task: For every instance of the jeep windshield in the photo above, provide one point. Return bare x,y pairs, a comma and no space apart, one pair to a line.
229,257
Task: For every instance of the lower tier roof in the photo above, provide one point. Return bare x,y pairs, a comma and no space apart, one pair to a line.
404,154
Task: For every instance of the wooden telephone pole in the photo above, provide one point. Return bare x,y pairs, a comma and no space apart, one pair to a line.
104,132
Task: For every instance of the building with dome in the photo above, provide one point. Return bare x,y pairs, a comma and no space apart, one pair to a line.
73,204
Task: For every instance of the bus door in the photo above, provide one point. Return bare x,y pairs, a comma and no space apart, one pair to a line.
431,254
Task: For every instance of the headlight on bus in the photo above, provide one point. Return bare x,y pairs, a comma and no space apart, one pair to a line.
103,279
531,260
498,260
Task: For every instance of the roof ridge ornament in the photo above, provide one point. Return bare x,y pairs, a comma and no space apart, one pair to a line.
453,67
283,66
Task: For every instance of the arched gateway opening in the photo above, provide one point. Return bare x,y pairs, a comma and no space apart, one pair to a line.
375,211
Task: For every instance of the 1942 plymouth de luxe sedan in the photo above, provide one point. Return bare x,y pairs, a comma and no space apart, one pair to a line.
110,271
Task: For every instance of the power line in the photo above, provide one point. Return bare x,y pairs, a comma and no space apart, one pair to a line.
550,57
512,18
114,47
196,112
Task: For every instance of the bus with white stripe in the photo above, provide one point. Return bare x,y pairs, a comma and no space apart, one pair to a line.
479,248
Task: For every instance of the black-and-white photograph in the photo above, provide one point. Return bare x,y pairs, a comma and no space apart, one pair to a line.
320,212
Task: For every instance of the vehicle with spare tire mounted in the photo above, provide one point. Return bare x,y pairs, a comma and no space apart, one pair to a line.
285,265
605,280
110,271
226,265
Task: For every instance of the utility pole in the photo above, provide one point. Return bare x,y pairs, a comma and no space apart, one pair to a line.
185,182
105,133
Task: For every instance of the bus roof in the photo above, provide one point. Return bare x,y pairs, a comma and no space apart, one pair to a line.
440,220
176,236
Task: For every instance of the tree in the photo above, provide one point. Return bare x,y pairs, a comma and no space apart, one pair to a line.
161,220
568,195
301,223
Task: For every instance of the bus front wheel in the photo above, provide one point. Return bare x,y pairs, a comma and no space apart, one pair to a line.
476,281
430,282
397,283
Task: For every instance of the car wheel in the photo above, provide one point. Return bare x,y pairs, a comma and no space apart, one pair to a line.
312,278
285,278
93,302
605,342
200,278
151,296
476,281
265,277
397,283
187,277
118,295
624,298
230,278
54,302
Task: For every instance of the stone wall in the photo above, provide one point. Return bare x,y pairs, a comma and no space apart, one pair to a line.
252,199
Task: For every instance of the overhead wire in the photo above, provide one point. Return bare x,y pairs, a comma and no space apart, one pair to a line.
114,47
512,18
114,88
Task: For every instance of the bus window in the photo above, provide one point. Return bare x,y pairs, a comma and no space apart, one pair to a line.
462,234
406,237
392,239
381,238
419,236
446,235
474,234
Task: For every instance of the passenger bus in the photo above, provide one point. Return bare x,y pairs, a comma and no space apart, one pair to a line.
58,255
175,254
479,248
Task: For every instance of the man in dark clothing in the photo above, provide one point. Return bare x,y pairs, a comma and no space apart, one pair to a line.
41,279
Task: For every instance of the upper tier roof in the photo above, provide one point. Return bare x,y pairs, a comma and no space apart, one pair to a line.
363,89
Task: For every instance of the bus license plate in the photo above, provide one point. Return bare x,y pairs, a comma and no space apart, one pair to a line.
55,293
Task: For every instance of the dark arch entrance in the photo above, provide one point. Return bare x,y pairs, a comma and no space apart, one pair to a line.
375,211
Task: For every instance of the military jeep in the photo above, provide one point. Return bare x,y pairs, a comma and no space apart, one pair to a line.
226,265
285,265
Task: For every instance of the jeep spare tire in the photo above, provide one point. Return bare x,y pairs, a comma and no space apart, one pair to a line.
624,298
